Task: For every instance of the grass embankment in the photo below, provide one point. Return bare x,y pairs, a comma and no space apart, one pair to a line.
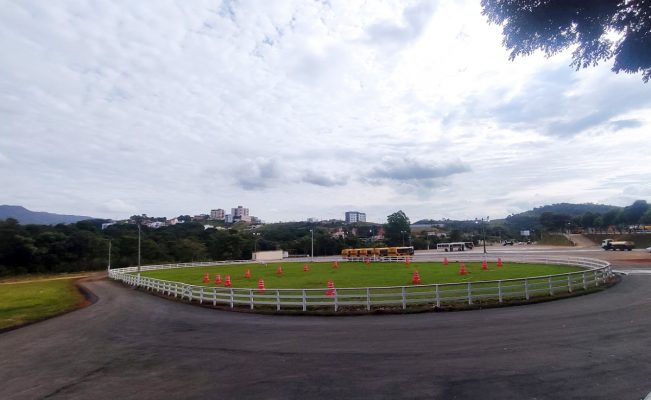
28,301
554,240
354,274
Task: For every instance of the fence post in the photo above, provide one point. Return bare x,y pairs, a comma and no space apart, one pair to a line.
214,296
551,287
569,283
304,300
277,300
438,296
596,282
232,299
251,298
201,295
336,299
469,293
368,299
499,291
526,288
585,284
404,298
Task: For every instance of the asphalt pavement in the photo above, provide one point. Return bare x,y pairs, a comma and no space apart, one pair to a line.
131,345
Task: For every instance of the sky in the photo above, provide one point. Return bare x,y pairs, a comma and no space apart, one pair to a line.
304,109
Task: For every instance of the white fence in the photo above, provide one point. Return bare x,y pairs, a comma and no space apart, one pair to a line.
596,273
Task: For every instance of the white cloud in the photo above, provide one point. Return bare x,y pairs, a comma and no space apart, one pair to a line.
300,109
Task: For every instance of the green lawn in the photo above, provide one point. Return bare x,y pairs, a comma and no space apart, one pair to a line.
354,274
35,300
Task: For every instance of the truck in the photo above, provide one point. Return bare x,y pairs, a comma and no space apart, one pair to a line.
610,244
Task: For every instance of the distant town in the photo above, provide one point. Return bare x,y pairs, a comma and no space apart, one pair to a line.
219,219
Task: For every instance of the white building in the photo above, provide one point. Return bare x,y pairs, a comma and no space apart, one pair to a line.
355,216
228,218
239,212
217,214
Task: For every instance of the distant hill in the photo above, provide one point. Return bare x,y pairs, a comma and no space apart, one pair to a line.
570,209
25,216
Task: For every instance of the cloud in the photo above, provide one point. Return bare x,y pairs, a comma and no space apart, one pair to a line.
625,124
117,207
318,179
413,23
414,172
558,103
258,174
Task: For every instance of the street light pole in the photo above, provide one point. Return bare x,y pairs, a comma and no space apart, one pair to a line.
403,238
312,252
255,242
487,218
108,267
138,249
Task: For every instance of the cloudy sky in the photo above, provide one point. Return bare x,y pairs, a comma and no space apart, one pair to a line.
301,109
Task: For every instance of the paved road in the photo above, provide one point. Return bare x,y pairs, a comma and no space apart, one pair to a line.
134,345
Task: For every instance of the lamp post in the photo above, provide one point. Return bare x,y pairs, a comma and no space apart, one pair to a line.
312,248
138,250
483,225
255,242
108,267
403,237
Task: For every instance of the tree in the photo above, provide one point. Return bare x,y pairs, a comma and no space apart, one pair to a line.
397,228
555,25
646,218
633,213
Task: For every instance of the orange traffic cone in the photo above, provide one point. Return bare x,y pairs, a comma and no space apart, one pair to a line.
260,285
484,265
462,270
247,275
445,261
279,271
206,278
306,268
228,282
335,264
331,288
416,278
500,264
218,279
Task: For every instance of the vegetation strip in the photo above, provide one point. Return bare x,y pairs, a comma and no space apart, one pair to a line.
30,301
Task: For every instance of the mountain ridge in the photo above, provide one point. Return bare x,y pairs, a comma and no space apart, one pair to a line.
25,216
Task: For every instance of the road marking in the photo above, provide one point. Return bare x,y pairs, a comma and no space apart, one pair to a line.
648,396
635,271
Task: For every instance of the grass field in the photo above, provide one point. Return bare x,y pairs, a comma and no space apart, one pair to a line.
23,302
354,274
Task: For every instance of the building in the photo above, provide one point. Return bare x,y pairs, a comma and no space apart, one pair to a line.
228,218
217,214
240,213
355,216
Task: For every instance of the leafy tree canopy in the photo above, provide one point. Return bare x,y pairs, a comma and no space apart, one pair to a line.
397,228
600,29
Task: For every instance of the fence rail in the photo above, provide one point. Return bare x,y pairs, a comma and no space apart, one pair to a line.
596,273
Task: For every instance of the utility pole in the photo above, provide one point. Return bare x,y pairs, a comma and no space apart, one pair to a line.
138,249
312,253
108,267
487,218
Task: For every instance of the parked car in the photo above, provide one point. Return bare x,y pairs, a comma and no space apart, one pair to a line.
508,243
648,249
